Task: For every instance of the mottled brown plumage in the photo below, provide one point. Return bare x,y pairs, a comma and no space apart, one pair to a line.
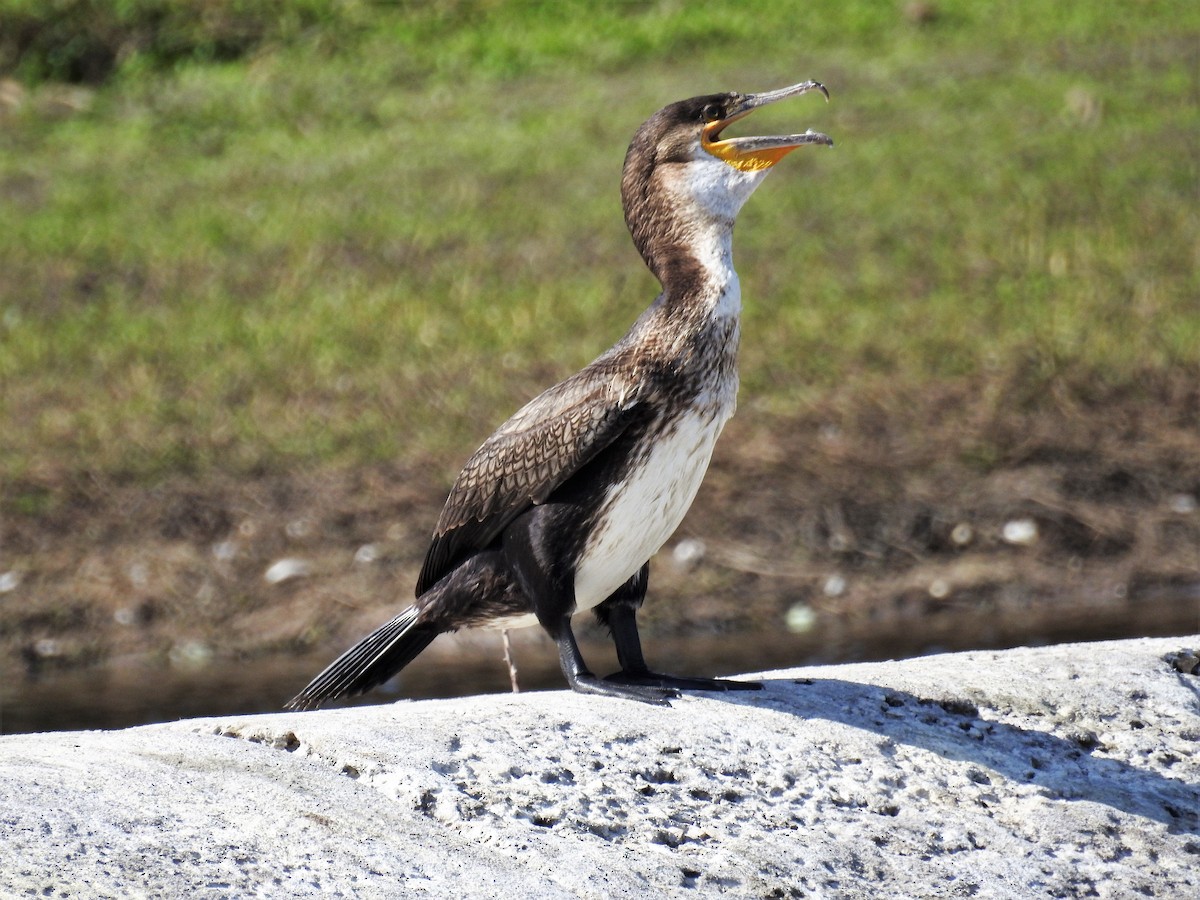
529,456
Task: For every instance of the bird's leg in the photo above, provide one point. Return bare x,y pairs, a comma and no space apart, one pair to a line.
551,594
619,613
582,680
622,606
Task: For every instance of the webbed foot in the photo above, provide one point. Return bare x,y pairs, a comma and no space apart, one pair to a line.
644,692
646,678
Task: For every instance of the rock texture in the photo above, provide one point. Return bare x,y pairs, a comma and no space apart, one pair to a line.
1062,771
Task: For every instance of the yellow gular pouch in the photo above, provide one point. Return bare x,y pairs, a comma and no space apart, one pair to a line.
742,159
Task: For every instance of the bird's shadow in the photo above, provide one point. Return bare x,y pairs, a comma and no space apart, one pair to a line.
1064,768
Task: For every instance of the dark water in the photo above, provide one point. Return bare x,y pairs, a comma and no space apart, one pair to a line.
133,694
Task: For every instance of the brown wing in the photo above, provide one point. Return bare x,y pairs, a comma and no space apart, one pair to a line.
520,465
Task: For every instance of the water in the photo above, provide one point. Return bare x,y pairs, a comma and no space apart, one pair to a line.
133,693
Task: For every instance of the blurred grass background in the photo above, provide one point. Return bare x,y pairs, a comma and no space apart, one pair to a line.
241,236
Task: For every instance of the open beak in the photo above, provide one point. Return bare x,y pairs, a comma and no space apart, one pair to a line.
751,154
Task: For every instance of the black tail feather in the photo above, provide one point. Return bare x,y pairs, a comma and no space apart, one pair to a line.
370,662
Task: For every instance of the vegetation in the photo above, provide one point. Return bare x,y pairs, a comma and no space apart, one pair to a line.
243,236
269,271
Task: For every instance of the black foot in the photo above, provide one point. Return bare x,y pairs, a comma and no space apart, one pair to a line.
647,678
649,692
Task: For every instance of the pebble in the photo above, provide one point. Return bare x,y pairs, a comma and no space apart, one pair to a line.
1022,532
285,569
688,553
800,618
224,550
190,653
962,534
1183,504
299,528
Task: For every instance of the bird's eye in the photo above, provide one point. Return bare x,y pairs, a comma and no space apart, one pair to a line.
712,112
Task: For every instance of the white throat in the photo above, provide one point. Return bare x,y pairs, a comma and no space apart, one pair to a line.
709,193
718,189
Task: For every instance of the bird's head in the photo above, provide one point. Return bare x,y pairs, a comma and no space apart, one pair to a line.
682,173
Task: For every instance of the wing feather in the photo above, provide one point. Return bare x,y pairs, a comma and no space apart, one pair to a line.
524,461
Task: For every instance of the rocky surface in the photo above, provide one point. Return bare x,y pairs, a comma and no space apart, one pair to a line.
1061,771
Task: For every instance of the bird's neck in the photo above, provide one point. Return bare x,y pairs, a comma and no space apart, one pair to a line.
681,220
695,320
698,271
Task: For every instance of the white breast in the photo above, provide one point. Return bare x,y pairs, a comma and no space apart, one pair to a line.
642,511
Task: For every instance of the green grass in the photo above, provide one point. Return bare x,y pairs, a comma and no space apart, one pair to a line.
369,231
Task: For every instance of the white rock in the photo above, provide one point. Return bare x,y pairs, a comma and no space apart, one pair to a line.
967,774
688,554
299,528
139,574
1021,531
800,618
1183,504
284,569
191,653
835,586
47,648
224,550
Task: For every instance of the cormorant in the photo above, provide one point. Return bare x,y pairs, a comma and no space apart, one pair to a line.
560,510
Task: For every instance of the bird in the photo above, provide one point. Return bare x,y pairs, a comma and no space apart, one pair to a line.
561,509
